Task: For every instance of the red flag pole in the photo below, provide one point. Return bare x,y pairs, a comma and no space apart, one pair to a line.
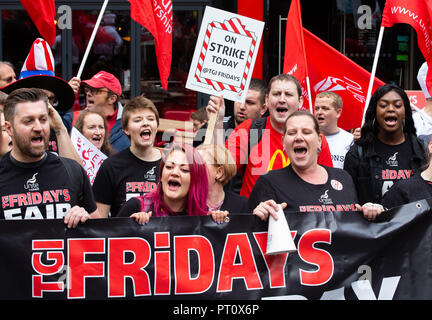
374,66
93,35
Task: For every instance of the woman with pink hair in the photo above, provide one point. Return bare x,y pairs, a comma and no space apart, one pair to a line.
182,189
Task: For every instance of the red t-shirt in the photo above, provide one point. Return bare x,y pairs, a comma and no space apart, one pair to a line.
266,155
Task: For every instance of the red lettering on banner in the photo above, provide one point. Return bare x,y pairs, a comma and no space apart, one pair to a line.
57,258
318,257
275,263
39,287
79,269
238,245
44,269
201,282
119,270
162,264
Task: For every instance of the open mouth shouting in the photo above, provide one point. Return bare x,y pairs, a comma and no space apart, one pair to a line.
146,134
300,152
37,141
391,121
97,141
282,111
174,184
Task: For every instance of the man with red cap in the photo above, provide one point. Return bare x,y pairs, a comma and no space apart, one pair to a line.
102,93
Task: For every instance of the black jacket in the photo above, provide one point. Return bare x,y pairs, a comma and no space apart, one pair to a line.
365,167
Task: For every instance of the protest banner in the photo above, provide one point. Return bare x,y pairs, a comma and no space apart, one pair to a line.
224,54
91,156
340,255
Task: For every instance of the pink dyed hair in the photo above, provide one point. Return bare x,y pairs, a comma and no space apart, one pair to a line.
198,190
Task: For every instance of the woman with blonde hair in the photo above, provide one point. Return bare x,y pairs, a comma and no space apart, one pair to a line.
220,169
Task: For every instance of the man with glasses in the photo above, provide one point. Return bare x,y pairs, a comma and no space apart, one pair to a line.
102,94
7,73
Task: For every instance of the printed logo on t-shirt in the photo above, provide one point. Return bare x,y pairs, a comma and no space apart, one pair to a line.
150,175
324,198
31,184
392,161
336,185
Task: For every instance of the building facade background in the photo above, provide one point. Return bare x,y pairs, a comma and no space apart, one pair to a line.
126,49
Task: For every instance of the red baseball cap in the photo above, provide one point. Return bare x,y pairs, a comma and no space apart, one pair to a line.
103,79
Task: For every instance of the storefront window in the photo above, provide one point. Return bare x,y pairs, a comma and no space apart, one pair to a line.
111,47
361,21
185,33
18,35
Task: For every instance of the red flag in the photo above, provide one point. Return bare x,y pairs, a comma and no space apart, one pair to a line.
330,70
42,13
156,17
418,14
295,58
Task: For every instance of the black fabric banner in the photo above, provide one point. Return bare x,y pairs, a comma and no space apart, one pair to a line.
339,256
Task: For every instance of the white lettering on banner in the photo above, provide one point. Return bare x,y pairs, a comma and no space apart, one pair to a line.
362,289
91,157
417,20
163,10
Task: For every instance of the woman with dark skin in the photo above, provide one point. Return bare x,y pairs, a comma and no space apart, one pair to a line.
388,149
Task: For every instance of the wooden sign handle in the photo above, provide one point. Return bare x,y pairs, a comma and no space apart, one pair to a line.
211,124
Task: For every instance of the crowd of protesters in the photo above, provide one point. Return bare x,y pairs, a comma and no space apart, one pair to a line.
267,153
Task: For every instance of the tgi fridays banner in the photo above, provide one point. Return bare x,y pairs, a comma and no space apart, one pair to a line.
225,54
339,256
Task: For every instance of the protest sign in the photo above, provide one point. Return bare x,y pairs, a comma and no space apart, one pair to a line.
225,54
91,156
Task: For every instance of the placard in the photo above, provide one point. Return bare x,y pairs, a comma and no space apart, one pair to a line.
225,54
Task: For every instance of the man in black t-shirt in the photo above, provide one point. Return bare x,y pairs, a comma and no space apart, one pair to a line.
35,184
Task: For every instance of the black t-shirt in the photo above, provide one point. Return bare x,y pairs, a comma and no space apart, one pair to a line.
406,191
123,176
284,185
234,203
41,190
395,161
